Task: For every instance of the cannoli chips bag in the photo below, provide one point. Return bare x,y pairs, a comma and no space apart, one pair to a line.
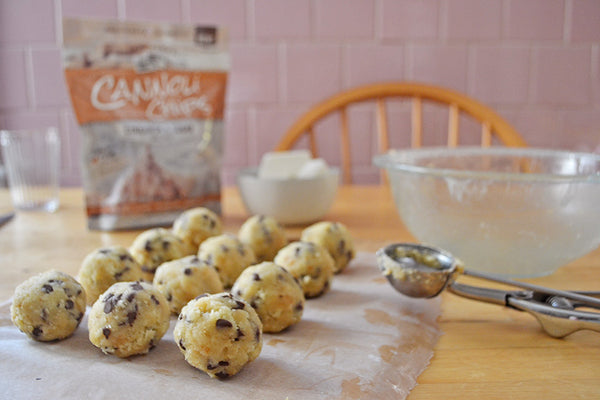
149,100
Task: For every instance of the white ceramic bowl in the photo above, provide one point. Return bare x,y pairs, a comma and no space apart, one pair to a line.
289,201
520,212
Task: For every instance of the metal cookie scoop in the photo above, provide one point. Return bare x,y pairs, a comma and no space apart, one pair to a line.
421,271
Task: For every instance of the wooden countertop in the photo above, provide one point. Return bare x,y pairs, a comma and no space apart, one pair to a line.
485,352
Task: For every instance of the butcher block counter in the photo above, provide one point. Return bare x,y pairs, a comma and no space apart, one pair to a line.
484,351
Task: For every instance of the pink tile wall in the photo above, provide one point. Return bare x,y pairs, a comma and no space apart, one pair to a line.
153,10
48,80
267,120
368,63
270,26
99,9
344,19
14,93
437,64
537,62
402,19
313,71
254,74
230,13
27,22
474,20
584,21
500,74
562,75
525,21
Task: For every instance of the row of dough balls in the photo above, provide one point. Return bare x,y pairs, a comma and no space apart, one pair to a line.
130,317
221,259
199,231
195,244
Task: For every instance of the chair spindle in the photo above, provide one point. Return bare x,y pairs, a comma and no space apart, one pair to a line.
453,118
346,159
417,122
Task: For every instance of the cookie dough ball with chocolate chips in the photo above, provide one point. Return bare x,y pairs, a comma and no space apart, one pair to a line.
334,237
273,292
218,334
264,235
311,264
182,280
228,255
48,306
196,225
104,267
155,246
129,318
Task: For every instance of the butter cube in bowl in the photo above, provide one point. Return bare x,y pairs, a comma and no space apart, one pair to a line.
290,186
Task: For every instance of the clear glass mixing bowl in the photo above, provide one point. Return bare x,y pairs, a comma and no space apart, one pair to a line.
519,212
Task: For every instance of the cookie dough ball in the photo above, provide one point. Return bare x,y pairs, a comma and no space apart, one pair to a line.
155,246
48,306
104,267
218,334
129,318
311,264
196,225
264,235
273,292
228,255
335,237
182,280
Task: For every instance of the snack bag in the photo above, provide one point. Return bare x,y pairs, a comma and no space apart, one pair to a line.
149,99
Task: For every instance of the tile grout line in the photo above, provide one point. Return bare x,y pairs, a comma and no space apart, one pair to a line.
58,22
378,23
408,61
471,67
443,23
251,136
567,21
63,120
531,80
30,78
344,72
121,9
186,11
250,6
595,77
283,75
313,22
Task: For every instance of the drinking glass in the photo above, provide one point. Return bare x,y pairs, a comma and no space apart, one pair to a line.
32,161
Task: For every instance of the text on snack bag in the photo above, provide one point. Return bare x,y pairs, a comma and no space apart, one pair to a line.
151,96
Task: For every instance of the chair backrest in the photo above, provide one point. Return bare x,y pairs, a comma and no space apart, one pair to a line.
492,124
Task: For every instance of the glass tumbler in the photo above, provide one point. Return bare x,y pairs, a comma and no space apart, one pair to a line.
32,161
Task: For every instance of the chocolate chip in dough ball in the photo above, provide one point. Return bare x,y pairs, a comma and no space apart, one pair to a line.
48,306
264,235
129,318
105,266
310,264
218,334
154,247
196,225
228,255
273,292
183,279
334,237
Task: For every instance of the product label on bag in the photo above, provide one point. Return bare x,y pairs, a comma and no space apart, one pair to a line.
149,99
101,94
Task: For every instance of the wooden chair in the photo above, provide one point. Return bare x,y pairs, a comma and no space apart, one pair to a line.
492,125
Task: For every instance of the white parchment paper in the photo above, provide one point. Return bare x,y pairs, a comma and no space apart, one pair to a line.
361,340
